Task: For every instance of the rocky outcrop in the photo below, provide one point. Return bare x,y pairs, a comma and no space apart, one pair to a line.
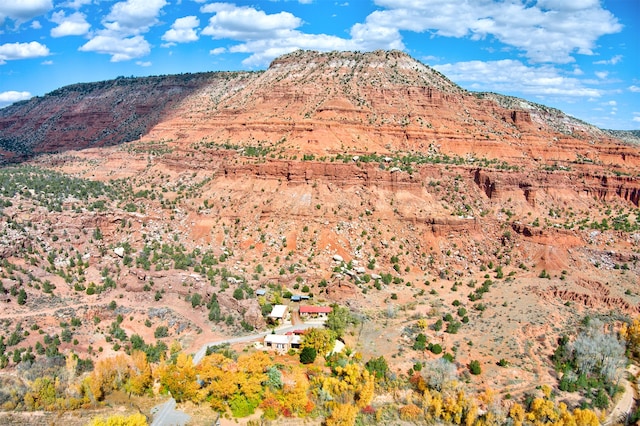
495,184
249,309
609,187
342,291
345,174
520,117
592,300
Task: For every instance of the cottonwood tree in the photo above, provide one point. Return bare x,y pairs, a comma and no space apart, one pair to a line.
597,352
339,319
439,373
320,340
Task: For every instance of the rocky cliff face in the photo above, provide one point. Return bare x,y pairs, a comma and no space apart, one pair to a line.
312,103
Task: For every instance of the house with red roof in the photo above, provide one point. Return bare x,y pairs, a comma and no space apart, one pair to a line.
310,311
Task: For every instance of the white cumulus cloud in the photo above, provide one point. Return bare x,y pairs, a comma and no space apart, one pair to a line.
120,49
217,51
614,60
13,51
266,36
23,10
512,76
245,23
634,89
73,25
546,31
123,28
12,96
76,4
183,30
133,17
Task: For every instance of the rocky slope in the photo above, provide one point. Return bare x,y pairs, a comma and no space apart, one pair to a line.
434,198
306,102
96,114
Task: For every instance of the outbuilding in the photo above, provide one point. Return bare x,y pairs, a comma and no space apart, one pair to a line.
279,313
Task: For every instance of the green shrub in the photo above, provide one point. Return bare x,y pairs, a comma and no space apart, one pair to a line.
308,355
242,407
420,343
474,367
161,331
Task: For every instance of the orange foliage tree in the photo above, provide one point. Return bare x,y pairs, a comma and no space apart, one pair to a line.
179,378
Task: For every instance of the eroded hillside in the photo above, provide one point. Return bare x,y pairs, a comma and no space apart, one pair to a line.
487,225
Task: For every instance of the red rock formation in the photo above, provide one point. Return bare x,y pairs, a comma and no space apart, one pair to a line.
309,102
495,183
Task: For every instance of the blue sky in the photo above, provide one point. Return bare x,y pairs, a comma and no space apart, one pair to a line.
581,56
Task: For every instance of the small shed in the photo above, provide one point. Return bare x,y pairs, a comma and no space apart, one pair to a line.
279,313
261,292
299,297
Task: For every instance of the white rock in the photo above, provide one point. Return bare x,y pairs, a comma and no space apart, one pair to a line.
119,251
338,258
376,277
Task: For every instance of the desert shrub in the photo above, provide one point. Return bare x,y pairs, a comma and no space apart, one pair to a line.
436,349
241,406
378,367
161,331
420,343
453,327
474,367
437,326
196,300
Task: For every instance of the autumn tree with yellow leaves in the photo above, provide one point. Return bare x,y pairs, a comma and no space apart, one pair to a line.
322,340
120,420
179,378
347,390
630,333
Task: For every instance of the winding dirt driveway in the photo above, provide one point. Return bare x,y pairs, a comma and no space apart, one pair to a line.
625,404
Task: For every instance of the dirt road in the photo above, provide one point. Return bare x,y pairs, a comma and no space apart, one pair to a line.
625,404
